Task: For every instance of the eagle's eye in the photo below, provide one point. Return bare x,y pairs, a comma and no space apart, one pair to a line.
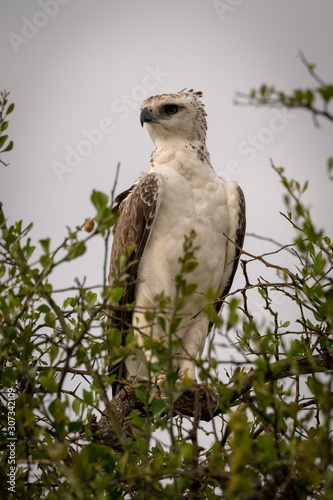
171,109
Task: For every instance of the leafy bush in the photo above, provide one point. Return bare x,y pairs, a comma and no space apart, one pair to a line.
269,430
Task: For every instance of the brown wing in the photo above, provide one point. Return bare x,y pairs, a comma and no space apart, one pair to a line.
137,210
239,240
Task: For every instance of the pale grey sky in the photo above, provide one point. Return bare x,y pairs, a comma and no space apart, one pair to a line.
75,66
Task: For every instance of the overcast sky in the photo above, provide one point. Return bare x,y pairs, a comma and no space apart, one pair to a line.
78,70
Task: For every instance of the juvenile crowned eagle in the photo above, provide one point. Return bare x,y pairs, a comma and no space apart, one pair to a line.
181,193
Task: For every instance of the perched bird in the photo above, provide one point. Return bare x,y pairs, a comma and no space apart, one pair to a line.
180,194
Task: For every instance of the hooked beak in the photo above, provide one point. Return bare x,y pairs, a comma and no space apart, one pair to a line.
146,115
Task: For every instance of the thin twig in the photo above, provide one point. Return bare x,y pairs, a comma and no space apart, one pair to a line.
310,68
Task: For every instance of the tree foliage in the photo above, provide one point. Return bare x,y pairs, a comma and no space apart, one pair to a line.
5,110
261,431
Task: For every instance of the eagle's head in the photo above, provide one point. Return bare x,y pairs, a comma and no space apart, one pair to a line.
179,116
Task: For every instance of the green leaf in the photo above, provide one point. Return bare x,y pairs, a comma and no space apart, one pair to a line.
326,92
57,411
54,350
9,147
309,97
161,322
305,186
88,397
43,308
296,349
136,419
3,126
95,349
149,316
114,337
142,444
70,301
190,266
316,387
157,407
9,376
3,139
263,90
45,261
91,297
76,405
10,108
116,293
174,324
81,355
76,250
50,319
99,200
45,244
188,290
180,304
74,426
48,381
298,95
285,324
2,270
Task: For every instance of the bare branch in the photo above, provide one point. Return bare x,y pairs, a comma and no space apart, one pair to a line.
310,68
